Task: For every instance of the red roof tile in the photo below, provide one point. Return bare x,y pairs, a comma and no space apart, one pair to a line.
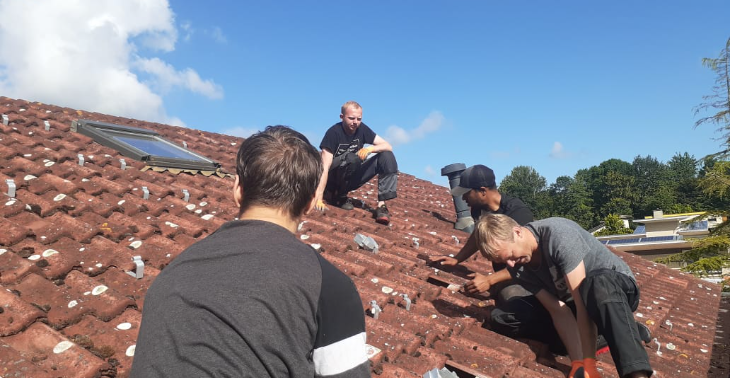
70,235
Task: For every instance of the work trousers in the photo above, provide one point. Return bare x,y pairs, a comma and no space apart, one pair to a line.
611,298
348,172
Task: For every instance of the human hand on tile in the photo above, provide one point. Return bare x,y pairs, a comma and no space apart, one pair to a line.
479,283
320,205
443,260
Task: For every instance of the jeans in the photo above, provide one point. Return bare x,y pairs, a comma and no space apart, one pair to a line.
348,172
610,299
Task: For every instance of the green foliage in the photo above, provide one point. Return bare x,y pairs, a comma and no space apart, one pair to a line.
719,100
614,226
704,266
526,184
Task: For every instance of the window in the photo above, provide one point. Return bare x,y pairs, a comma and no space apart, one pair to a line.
145,145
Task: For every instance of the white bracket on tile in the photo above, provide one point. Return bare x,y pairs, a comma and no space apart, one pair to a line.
146,192
81,159
658,347
11,188
185,144
5,120
408,301
375,309
124,163
47,125
186,195
139,270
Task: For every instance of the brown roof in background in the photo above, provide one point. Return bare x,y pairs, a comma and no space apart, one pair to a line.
69,307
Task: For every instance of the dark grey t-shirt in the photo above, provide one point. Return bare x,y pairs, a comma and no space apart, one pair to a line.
563,244
251,300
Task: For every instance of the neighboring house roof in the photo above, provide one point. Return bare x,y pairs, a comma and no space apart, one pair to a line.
70,308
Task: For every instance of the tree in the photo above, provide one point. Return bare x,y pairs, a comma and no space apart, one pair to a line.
526,184
719,100
613,226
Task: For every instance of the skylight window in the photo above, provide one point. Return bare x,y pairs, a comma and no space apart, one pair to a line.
144,145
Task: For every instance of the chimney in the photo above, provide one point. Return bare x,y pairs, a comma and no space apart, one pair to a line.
464,221
658,214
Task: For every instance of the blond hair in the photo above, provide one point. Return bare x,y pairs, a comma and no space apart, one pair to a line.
349,104
492,228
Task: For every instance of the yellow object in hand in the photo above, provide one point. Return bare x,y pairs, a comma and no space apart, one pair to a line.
364,152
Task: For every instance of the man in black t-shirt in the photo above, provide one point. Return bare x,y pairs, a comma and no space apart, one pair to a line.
252,300
517,313
346,167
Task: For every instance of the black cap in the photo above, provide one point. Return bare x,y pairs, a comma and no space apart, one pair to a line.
474,177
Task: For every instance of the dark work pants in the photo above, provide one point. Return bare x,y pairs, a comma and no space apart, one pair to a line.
519,314
348,173
610,299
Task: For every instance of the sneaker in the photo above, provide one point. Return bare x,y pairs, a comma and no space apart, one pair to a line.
601,345
644,332
345,204
382,215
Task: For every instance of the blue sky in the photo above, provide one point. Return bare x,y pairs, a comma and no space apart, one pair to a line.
558,86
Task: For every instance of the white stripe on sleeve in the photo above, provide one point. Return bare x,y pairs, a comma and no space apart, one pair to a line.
341,356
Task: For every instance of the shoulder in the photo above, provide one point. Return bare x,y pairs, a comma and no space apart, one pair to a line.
516,209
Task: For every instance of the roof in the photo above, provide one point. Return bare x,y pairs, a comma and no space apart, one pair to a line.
70,308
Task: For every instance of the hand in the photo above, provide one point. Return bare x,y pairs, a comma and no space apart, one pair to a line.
364,152
479,283
577,370
320,205
444,260
589,364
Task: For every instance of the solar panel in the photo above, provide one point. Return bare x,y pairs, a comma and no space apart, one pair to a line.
640,229
657,238
624,241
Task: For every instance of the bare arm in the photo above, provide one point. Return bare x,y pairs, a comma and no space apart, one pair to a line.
326,164
468,250
564,323
587,328
380,145
480,283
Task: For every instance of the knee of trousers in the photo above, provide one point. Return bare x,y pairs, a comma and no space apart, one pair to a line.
351,163
387,163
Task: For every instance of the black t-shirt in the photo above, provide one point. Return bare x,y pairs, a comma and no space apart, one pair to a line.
338,142
251,300
511,207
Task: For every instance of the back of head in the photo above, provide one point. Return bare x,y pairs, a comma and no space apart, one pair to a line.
491,228
278,168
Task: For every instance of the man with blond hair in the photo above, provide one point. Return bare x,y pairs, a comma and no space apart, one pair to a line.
556,259
347,167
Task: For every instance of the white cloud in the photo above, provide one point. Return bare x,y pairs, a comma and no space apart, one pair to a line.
558,152
238,131
396,135
429,171
83,54
217,34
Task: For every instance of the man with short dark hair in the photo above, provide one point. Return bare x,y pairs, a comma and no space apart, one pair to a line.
516,308
556,259
252,300
346,166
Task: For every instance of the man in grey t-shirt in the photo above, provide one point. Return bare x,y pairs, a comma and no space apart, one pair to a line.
557,259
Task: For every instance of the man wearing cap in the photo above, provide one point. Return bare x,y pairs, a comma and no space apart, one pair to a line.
346,167
516,308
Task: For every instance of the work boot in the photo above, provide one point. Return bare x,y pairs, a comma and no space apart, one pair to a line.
382,215
344,204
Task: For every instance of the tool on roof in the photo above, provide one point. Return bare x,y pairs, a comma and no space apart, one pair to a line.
139,270
146,193
11,187
366,242
375,309
186,195
81,159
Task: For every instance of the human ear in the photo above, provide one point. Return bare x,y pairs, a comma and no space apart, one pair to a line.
237,192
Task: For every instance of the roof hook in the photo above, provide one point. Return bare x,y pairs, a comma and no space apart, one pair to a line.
139,270
81,160
47,125
186,195
11,187
185,144
408,301
5,120
375,309
124,163
146,192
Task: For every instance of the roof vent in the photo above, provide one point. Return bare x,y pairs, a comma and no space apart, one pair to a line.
658,214
464,221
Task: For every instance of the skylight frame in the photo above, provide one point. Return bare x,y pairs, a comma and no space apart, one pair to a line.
104,134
